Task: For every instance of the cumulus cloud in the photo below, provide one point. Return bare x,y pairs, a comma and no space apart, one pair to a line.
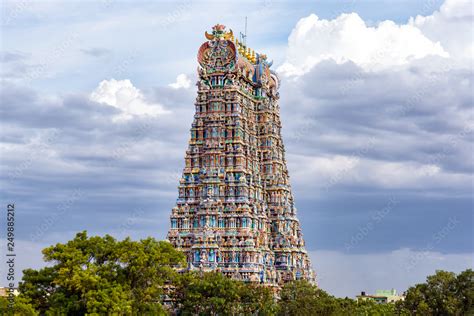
123,95
182,81
357,131
348,38
451,25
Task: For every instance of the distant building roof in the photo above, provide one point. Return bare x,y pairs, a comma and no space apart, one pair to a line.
384,296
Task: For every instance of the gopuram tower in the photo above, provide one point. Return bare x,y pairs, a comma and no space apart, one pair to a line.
235,212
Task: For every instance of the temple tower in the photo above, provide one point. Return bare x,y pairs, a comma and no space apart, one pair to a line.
235,212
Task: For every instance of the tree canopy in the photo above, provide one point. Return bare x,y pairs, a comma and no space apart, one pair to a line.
443,293
214,294
100,275
103,276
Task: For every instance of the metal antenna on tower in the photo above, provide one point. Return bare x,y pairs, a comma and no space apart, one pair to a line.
243,37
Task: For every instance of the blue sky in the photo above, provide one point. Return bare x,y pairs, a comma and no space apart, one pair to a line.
376,103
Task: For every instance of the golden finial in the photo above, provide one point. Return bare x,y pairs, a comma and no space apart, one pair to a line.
228,35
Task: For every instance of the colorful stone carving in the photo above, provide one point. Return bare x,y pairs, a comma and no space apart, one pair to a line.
235,212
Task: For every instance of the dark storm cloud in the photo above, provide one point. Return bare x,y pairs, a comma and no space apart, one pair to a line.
334,110
349,223
421,116
24,107
54,147
119,166
408,132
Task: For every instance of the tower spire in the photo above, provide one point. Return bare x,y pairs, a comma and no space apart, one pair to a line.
235,210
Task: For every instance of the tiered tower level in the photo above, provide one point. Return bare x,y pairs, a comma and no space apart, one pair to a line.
235,212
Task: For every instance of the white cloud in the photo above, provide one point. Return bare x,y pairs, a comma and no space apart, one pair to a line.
348,38
452,26
343,274
182,81
122,95
337,170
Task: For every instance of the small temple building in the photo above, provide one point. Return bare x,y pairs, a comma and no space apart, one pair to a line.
235,212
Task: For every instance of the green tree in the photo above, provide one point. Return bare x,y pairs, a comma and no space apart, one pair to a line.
38,287
21,307
302,298
257,300
206,294
212,293
370,308
99,275
444,293
465,291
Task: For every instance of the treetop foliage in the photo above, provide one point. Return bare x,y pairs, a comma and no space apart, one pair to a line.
103,276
